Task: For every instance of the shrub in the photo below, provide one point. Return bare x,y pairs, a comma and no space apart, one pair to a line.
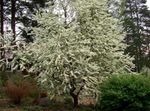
18,88
125,93
1,83
1,87
3,76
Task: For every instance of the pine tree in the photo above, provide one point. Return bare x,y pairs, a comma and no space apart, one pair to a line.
133,15
75,58
145,33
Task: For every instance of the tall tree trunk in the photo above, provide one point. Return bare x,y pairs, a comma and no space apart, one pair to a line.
13,19
2,16
1,27
139,37
135,33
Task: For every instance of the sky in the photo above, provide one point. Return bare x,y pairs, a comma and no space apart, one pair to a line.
148,3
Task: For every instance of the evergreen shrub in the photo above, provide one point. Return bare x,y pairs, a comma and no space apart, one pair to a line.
125,93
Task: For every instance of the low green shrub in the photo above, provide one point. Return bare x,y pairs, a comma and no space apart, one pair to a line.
125,93
3,78
1,81
2,92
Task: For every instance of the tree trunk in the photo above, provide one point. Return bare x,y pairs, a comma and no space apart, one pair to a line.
2,17
13,19
137,55
139,67
17,101
75,96
75,99
1,26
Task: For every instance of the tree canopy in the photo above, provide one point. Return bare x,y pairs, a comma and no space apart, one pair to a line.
78,56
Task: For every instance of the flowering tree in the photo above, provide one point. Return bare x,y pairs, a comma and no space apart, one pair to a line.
75,58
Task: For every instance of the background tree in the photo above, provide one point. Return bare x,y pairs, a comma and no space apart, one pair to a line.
145,32
75,58
18,16
114,7
17,21
13,18
1,17
135,16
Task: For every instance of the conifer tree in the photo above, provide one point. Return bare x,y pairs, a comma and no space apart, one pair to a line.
135,16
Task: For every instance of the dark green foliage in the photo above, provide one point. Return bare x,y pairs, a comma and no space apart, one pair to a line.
4,76
125,93
135,18
0,81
